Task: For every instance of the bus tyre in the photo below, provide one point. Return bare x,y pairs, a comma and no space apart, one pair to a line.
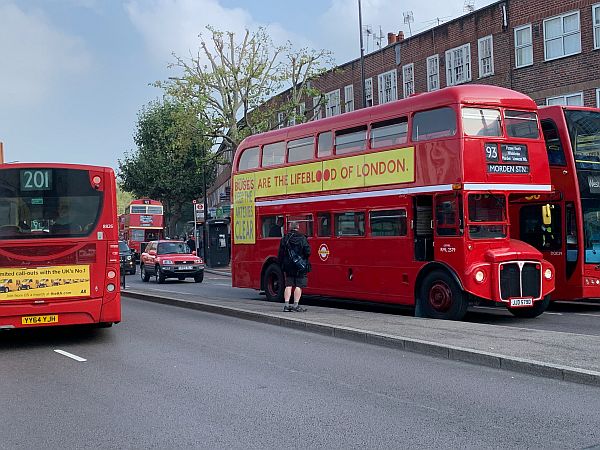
273,283
160,277
198,278
145,276
529,313
441,297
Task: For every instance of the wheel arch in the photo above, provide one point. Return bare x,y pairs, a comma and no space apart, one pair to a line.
270,260
430,267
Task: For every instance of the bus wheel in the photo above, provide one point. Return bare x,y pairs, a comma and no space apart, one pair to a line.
145,276
273,283
529,313
441,297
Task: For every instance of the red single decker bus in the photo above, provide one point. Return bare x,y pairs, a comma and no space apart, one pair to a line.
142,222
570,236
405,202
59,252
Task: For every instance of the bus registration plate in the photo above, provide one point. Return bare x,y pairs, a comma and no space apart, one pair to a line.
519,302
36,320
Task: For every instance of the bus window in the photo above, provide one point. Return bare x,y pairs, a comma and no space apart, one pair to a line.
448,211
350,140
487,208
272,226
325,145
155,210
556,154
388,223
434,124
521,124
324,224
481,122
533,230
349,224
273,154
305,223
390,132
249,159
138,209
301,149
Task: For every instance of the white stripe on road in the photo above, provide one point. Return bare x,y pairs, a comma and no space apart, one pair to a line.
584,314
71,355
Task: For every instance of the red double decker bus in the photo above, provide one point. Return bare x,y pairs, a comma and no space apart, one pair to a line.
59,252
570,236
142,222
402,203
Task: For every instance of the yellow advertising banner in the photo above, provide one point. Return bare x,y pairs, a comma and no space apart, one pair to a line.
44,282
371,169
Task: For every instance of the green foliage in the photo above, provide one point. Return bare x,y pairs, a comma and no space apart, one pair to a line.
123,199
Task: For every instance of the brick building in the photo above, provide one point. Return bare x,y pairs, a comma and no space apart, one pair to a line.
547,49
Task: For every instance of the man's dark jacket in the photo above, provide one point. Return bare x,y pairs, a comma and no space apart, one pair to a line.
299,244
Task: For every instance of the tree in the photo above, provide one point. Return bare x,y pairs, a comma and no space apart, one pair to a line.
167,164
229,83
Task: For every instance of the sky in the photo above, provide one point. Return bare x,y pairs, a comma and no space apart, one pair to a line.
75,73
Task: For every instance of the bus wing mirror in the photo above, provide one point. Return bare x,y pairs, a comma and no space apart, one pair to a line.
547,214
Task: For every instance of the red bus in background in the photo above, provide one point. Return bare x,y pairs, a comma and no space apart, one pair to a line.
403,203
59,252
141,223
570,238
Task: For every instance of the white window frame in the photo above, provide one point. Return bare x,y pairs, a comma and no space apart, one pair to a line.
481,43
433,76
458,58
387,85
408,80
349,98
564,99
317,108
528,47
369,92
562,36
598,98
280,120
596,25
302,111
332,102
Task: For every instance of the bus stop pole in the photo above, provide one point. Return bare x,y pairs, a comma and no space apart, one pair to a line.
195,230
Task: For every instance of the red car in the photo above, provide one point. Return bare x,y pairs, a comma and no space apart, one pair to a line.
170,259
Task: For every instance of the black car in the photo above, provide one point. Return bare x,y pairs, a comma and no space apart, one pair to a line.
127,258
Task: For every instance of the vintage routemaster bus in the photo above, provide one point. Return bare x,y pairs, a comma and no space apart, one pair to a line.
570,236
58,245
403,203
141,223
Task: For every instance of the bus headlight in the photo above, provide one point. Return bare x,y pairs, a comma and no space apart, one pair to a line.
110,287
480,276
111,274
548,274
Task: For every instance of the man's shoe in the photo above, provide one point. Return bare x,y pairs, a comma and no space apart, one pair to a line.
298,309
288,308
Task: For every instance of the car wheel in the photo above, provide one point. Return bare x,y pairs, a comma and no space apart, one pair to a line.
274,283
180,278
198,278
145,276
441,297
160,276
529,313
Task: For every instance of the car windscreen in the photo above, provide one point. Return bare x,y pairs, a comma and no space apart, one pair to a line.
168,248
46,202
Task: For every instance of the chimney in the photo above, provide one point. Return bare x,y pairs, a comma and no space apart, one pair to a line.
391,38
400,36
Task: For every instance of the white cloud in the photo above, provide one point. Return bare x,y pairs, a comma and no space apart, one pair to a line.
36,57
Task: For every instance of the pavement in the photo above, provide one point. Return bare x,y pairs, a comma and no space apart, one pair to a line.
559,355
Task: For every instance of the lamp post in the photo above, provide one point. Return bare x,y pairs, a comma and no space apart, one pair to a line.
204,225
362,58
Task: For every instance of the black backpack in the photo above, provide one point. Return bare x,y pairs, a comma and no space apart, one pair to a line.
296,261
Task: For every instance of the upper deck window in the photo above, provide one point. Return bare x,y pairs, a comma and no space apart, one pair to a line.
434,124
350,140
249,159
325,145
556,154
155,209
390,132
138,209
584,131
481,122
521,124
273,154
301,149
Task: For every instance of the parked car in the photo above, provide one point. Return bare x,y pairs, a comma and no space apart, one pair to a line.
170,259
127,258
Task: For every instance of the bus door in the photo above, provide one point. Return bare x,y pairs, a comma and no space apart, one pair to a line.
422,227
449,229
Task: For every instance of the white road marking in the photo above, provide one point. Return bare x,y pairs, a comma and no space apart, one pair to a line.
71,355
556,314
584,314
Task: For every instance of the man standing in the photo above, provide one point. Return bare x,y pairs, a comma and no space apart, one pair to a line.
191,243
294,244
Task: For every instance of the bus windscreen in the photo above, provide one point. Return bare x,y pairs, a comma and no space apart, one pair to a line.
47,202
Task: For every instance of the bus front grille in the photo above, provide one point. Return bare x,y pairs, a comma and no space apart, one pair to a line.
520,280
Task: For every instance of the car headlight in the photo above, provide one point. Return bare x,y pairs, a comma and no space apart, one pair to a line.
167,261
198,261
548,274
129,258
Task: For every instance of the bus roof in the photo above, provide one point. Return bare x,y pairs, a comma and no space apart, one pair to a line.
53,165
475,94
144,201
